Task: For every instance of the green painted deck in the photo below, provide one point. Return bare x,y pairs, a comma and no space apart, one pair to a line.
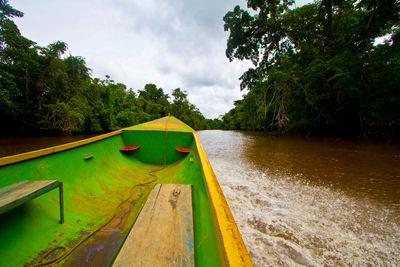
103,196
163,233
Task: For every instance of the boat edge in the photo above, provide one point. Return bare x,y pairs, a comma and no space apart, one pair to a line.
50,150
232,252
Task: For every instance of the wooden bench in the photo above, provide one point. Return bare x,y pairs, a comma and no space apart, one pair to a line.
163,233
17,194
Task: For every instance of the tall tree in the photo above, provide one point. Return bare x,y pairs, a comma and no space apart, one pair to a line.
44,91
314,66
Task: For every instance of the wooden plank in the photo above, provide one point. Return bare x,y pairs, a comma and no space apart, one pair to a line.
16,194
163,233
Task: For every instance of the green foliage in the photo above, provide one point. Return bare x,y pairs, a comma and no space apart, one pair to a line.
188,113
42,91
316,68
63,117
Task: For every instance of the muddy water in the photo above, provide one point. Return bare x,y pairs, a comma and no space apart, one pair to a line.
313,202
15,145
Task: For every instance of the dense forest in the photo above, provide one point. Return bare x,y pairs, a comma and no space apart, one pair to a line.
317,69
45,91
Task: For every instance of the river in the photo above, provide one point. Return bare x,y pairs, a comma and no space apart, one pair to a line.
299,201
15,145
310,201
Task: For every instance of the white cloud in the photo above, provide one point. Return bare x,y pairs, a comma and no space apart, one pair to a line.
169,43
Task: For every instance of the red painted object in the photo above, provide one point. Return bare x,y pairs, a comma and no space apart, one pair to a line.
183,150
129,148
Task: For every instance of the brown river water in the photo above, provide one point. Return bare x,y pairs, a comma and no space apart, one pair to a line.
15,145
308,201
299,201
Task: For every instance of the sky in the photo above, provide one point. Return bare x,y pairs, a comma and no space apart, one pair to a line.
173,44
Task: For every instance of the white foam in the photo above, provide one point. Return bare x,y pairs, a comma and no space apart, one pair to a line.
286,221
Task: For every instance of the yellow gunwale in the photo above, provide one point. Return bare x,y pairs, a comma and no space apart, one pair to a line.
233,251
54,149
230,243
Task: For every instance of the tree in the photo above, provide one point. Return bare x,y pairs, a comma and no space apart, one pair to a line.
187,112
154,101
44,91
314,66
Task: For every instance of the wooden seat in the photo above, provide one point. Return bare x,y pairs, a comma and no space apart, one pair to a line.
16,194
163,233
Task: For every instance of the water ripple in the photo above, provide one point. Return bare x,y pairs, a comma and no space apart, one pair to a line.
286,221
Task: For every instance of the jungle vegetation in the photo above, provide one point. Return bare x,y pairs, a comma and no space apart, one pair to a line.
45,91
316,68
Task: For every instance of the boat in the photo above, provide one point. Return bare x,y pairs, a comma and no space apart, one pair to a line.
105,184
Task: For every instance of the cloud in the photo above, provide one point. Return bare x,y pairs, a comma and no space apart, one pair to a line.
170,43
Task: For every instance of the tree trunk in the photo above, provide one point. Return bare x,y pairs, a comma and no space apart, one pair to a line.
371,66
328,22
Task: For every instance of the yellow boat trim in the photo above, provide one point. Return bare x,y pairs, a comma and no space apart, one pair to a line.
232,249
54,149
230,243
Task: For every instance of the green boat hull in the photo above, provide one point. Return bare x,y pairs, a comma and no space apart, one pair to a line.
104,191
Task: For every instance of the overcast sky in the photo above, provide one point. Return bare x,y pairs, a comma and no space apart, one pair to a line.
169,43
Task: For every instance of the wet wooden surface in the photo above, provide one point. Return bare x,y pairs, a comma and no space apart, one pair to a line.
163,233
16,194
